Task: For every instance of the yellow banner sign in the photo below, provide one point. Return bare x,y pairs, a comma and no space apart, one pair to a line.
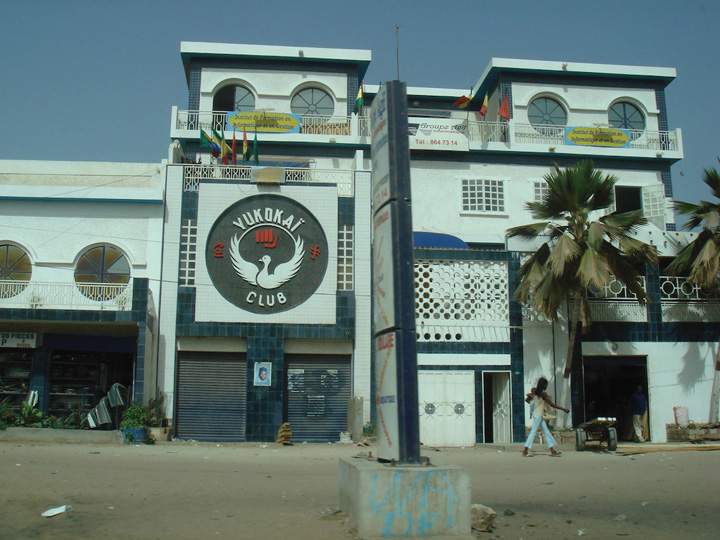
586,136
264,122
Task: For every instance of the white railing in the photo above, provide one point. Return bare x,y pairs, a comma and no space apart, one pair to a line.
673,288
217,120
91,296
485,132
194,174
364,126
555,136
529,134
615,290
477,131
683,301
614,302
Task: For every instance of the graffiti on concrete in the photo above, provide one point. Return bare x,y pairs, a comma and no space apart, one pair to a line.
419,506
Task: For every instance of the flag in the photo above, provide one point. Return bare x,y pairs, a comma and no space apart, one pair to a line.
225,149
255,150
245,151
234,149
463,101
504,110
359,100
207,142
483,108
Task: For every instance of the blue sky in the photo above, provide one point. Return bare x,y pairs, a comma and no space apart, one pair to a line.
95,81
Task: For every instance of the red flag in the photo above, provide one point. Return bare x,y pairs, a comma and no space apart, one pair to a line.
462,101
234,150
483,108
504,110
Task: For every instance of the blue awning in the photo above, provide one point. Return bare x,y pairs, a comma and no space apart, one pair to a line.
438,241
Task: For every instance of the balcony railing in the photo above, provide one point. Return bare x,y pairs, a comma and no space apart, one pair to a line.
483,132
555,136
673,288
217,121
683,301
91,296
194,174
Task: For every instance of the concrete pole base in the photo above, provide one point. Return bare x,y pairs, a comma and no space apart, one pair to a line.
410,501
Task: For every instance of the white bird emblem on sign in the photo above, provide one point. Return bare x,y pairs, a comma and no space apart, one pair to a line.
254,275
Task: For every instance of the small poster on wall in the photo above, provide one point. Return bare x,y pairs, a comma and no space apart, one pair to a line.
263,371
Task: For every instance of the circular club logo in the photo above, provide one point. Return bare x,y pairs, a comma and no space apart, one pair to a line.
266,254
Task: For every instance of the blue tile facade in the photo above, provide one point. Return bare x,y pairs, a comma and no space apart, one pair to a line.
266,341
138,315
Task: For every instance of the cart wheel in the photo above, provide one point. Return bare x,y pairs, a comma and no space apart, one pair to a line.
612,439
580,440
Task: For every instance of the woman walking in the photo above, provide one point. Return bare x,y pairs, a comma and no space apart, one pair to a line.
540,403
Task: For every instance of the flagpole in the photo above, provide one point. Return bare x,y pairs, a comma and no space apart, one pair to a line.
397,50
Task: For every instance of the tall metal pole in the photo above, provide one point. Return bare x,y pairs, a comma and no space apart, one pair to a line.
397,50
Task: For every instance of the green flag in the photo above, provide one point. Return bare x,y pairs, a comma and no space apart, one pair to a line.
255,150
359,100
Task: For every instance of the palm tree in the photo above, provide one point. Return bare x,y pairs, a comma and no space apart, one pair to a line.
583,249
700,259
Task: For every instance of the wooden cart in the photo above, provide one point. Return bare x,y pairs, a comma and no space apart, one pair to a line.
599,430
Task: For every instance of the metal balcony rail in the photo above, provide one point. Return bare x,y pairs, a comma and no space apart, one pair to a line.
217,121
194,174
615,290
90,296
529,134
555,136
674,288
485,132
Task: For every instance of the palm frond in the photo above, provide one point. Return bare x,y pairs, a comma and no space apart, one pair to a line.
596,234
564,254
549,295
533,230
685,208
625,223
706,265
593,270
712,178
637,250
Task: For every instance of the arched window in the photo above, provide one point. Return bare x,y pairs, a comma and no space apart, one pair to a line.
312,102
102,272
15,270
546,112
234,98
623,115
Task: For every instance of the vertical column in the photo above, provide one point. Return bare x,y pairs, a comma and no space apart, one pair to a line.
393,288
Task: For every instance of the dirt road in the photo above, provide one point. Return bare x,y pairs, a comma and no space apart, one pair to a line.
195,491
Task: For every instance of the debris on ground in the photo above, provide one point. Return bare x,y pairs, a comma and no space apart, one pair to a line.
482,517
648,449
55,511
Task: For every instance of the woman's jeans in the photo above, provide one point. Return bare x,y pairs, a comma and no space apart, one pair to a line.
537,422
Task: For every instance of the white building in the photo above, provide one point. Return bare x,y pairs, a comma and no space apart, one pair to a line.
227,307
80,256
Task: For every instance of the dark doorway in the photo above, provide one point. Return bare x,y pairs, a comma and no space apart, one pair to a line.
608,382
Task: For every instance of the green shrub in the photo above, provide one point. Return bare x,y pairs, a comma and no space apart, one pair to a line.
135,416
7,415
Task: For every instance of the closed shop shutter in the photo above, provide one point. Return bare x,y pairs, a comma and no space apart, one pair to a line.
318,389
211,397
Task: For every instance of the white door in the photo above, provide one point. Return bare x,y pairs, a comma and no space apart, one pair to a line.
447,408
501,407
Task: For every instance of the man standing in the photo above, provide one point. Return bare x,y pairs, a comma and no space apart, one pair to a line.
638,407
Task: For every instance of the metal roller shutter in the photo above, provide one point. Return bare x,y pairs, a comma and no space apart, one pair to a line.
318,389
211,397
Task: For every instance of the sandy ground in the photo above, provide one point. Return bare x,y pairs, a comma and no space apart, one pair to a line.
194,491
